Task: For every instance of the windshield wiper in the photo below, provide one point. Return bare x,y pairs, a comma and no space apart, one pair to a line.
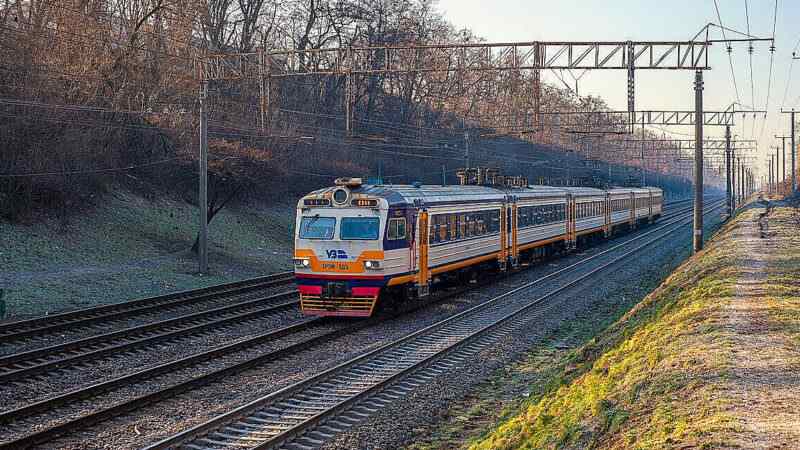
313,220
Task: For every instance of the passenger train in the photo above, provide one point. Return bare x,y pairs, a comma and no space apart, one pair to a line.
357,245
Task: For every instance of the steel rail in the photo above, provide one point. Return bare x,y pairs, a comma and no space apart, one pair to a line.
14,331
28,363
87,420
8,417
293,410
15,367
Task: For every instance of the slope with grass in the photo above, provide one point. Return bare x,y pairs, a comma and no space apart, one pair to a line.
129,247
708,360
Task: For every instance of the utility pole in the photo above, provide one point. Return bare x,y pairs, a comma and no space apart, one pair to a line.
728,169
202,247
783,140
793,168
734,177
777,178
644,180
348,106
771,157
466,149
697,242
783,165
741,183
735,182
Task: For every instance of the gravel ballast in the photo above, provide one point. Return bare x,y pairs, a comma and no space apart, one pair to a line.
153,423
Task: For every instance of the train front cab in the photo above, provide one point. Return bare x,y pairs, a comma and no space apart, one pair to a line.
340,259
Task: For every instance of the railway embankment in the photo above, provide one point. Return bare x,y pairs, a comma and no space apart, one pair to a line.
128,246
710,359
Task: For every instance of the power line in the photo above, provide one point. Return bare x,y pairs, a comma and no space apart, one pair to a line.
771,63
750,52
730,57
789,77
88,171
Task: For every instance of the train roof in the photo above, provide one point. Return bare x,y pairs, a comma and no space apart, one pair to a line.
437,194
585,191
641,190
403,194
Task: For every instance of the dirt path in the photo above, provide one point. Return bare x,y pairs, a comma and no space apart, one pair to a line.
764,384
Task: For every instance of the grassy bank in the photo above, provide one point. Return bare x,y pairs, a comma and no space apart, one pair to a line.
130,247
662,376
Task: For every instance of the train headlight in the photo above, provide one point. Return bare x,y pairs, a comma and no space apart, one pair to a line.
340,196
372,265
302,263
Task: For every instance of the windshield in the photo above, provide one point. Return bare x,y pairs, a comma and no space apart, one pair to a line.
354,228
317,227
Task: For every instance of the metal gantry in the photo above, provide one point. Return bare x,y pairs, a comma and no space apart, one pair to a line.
460,57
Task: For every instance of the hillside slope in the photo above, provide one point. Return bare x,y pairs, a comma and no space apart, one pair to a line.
129,247
708,360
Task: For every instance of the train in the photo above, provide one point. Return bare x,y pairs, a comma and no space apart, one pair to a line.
361,246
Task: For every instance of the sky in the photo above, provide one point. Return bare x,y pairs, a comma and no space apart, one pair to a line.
653,20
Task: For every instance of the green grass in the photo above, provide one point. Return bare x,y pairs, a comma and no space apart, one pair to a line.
129,247
652,380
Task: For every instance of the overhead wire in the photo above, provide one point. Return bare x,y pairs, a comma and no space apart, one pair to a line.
730,57
90,171
789,77
771,64
750,52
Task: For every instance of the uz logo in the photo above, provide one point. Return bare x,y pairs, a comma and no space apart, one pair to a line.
336,254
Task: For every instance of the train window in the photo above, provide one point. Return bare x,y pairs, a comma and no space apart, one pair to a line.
540,215
397,229
359,228
317,227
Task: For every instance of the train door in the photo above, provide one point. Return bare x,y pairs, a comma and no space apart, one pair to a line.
632,220
571,225
423,271
514,244
502,256
607,216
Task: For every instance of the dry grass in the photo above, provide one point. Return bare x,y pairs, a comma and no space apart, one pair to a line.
666,375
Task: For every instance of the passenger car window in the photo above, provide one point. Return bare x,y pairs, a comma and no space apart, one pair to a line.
317,227
397,229
359,228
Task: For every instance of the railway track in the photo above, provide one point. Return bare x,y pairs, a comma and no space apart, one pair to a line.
310,412
102,316
22,417
83,318
17,367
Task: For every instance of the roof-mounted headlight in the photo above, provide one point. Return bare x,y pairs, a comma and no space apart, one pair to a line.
340,196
